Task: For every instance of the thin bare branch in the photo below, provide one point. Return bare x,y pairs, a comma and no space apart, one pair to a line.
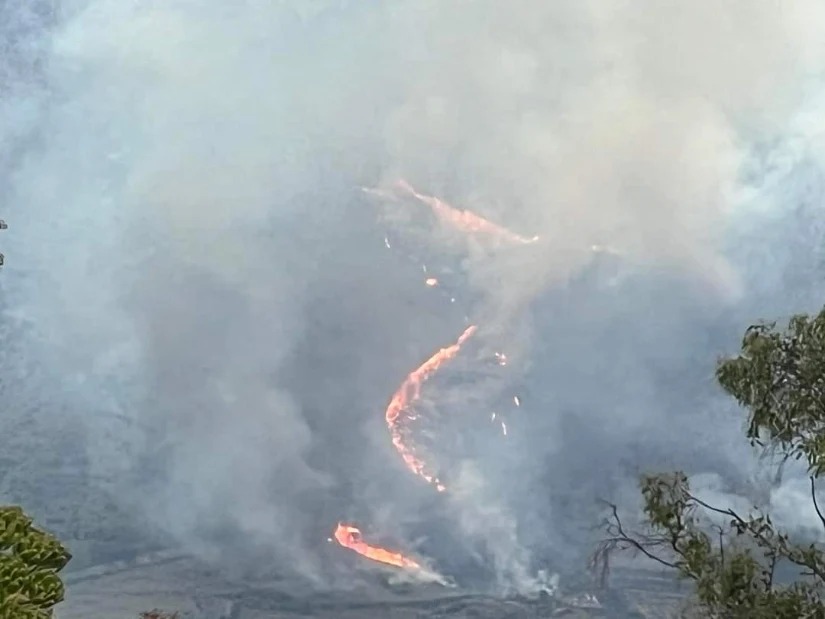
623,538
816,504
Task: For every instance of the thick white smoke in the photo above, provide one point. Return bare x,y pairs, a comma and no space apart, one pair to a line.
195,263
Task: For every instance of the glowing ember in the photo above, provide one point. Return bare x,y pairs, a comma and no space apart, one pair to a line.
431,281
350,537
400,407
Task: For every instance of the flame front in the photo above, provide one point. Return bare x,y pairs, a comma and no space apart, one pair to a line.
400,408
350,537
461,219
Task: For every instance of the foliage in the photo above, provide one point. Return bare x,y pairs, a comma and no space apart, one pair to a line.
30,560
780,377
735,560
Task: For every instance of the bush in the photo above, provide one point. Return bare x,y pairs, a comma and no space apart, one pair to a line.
30,560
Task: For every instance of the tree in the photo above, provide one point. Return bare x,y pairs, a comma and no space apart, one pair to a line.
30,560
742,564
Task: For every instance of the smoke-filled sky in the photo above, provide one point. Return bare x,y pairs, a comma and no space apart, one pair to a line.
196,268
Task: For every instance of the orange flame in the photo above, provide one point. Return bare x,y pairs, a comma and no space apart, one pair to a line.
400,407
462,219
350,537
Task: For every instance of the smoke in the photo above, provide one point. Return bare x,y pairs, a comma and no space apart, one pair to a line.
193,260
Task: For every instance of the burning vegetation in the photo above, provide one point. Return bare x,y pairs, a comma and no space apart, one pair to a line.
401,411
350,537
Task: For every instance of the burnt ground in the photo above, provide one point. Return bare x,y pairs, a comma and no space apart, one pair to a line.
175,582
115,573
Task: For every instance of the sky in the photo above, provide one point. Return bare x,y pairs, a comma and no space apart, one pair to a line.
192,263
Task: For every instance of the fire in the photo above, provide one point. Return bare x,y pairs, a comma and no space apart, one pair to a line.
462,219
400,407
350,537
400,410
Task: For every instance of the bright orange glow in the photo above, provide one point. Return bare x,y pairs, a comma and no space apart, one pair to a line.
400,408
461,219
350,537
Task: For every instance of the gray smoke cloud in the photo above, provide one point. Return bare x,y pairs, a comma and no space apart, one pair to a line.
202,277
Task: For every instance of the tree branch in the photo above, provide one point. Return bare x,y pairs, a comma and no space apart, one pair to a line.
816,570
721,546
816,505
620,537
772,561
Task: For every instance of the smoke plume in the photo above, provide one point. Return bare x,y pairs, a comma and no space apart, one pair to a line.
195,266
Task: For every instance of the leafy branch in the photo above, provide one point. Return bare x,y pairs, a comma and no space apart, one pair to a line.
734,569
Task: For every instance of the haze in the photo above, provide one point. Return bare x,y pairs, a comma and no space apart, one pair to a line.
196,282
